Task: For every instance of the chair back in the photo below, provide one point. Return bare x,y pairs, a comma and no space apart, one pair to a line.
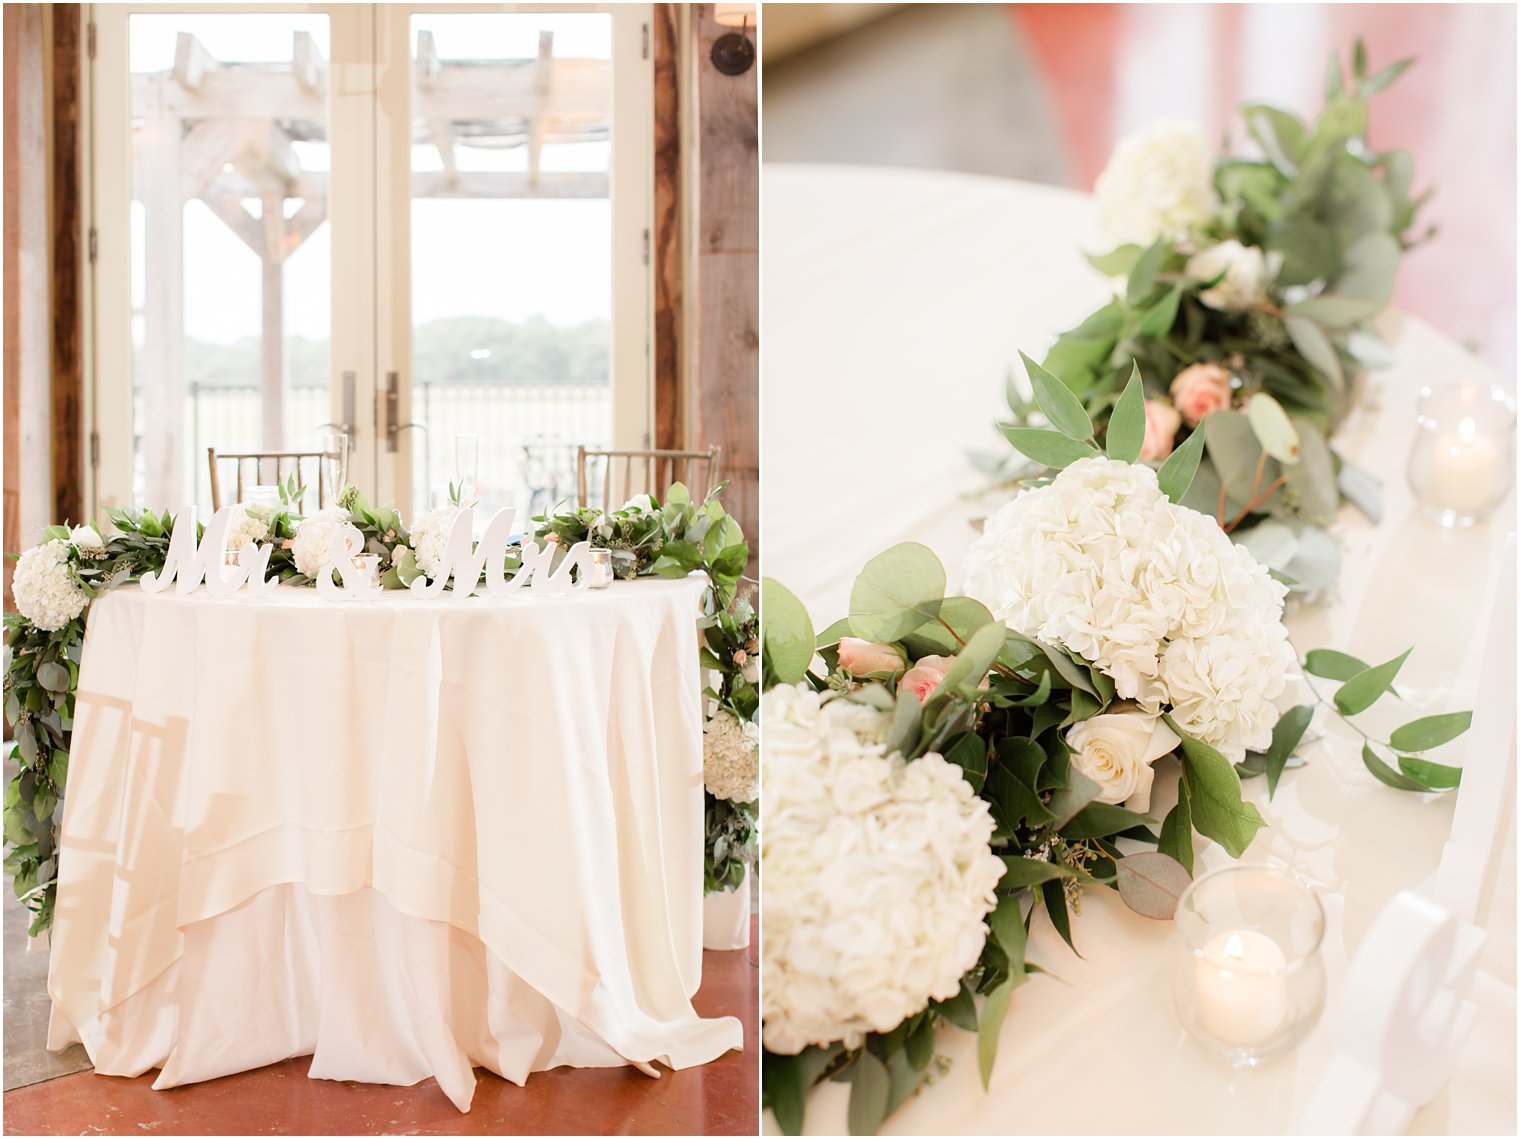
261,464
643,472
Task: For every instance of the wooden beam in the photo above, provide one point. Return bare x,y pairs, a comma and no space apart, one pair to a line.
543,81
497,184
669,268
724,360
580,92
206,150
227,204
162,378
192,62
272,341
428,64
303,224
442,133
26,336
307,63
68,443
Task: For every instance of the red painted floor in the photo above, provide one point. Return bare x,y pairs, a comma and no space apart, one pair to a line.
721,1098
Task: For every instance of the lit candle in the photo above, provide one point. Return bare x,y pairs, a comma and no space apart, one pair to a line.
1242,999
1465,463
229,565
369,566
601,569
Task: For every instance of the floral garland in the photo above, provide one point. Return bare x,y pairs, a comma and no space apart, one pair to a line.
1250,288
56,580
963,762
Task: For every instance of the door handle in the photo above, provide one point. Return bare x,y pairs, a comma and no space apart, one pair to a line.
394,429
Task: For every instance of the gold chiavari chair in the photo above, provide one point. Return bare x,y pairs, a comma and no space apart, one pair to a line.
283,463
698,470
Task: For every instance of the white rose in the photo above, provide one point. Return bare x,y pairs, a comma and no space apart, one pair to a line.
1158,183
639,502
87,541
1247,273
1116,751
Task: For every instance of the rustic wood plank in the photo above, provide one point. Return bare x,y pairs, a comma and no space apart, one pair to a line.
726,317
68,443
669,267
28,500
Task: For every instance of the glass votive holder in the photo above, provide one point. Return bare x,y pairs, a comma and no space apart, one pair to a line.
1250,980
600,568
369,566
266,496
1463,458
231,561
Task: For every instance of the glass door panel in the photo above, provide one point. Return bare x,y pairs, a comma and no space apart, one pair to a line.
230,242
511,250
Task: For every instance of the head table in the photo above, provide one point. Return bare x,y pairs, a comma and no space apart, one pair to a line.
407,837
896,303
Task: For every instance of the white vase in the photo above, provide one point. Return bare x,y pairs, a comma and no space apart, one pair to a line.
725,917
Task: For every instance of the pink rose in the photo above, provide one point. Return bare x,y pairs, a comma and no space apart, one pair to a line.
924,677
740,656
1161,423
861,658
1199,390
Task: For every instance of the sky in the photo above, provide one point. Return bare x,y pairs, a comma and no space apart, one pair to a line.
510,259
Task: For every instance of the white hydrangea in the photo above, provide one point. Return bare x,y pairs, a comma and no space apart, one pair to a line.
87,540
1154,594
640,503
430,538
1158,183
877,875
250,523
1247,273
312,544
46,591
731,757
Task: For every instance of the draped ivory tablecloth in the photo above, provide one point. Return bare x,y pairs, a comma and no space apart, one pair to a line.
896,303
406,836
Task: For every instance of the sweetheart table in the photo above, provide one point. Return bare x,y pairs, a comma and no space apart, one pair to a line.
896,302
406,837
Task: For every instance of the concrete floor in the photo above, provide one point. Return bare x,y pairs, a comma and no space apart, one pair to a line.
27,1060
721,1098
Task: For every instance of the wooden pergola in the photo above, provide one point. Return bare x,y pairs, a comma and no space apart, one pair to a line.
224,134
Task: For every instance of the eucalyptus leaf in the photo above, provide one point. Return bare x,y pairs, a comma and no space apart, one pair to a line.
869,1089
1151,883
993,1013
787,632
1362,690
1436,776
1269,422
1049,448
1387,774
1430,731
1214,799
1126,426
1056,400
1286,735
1176,474
897,591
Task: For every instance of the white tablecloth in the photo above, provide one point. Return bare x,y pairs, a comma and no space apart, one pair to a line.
895,303
407,836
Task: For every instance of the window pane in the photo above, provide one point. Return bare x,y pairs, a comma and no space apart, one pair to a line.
511,249
231,261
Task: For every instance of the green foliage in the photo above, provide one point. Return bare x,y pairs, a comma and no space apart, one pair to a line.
1335,217
672,539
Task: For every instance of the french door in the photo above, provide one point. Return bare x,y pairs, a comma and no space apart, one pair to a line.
423,226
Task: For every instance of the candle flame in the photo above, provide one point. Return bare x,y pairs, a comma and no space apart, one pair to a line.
1235,948
1467,430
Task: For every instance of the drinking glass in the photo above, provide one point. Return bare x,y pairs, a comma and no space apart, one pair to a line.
466,465
334,465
